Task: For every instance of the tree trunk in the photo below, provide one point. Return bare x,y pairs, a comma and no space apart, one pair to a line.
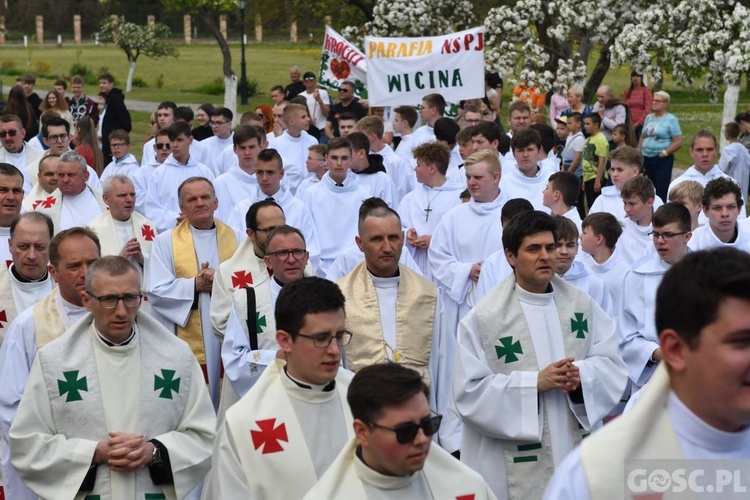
365,6
658,84
731,96
584,49
600,71
230,79
131,72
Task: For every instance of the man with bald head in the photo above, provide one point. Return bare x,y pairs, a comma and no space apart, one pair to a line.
611,110
122,230
73,203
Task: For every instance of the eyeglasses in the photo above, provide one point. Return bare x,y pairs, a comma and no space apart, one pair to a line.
11,133
218,124
344,90
667,236
323,340
111,301
297,253
161,146
310,79
58,138
117,145
406,433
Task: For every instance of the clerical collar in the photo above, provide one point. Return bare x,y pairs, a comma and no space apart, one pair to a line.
320,388
21,279
692,428
388,282
112,344
281,285
369,475
213,226
535,298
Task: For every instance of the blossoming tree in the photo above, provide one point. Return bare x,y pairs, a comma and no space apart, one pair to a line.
708,39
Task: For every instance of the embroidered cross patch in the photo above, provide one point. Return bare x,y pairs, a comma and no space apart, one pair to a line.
3,318
260,321
269,436
466,497
148,232
242,279
48,202
509,349
71,386
167,384
579,326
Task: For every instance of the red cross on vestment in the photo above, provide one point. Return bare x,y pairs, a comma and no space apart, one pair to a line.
3,318
148,233
269,436
242,279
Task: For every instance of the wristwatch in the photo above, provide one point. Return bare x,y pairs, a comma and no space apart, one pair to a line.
156,458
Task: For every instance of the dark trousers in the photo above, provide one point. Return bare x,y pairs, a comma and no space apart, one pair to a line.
659,170
591,195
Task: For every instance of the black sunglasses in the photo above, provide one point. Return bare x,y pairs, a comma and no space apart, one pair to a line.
11,133
406,433
161,146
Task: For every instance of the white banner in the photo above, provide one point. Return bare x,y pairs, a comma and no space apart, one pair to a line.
342,61
401,71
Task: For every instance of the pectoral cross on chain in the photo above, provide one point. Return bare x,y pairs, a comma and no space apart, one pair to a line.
427,213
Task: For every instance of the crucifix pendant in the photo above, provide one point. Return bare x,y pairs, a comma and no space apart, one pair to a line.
427,213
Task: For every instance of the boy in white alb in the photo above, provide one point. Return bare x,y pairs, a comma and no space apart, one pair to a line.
722,203
527,179
316,165
561,195
239,181
690,194
123,162
638,198
703,149
371,169
601,231
293,143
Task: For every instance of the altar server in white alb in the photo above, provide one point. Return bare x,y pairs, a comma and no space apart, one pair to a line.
239,181
292,144
695,408
122,230
425,206
280,438
180,274
396,315
74,203
534,379
722,205
391,456
70,254
117,407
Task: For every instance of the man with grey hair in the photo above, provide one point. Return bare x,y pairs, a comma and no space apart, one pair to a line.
612,111
121,398
73,203
297,86
121,229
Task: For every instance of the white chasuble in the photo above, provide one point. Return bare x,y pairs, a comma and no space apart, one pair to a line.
111,233
277,437
70,211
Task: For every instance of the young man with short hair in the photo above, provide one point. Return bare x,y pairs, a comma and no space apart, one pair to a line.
595,151
347,124
722,205
234,185
115,115
316,165
370,168
553,374
123,162
703,149
431,110
561,194
404,119
80,105
391,454
601,231
638,198
526,179
446,131
519,117
300,399
221,125
690,194
293,143
15,150
547,160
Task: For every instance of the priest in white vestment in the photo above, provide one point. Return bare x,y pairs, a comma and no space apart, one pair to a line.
269,173
11,202
285,432
425,206
293,143
639,342
15,150
71,252
180,274
74,203
334,203
117,407
542,354
391,456
396,315
694,408
239,181
42,190
352,256
467,235
162,206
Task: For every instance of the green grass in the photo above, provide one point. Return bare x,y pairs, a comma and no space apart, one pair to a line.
200,65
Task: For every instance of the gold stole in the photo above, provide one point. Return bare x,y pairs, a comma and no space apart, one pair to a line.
186,266
415,314
48,324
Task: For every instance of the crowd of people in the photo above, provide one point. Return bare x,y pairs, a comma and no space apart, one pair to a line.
332,300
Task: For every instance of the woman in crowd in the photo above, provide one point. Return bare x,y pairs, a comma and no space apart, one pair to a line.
17,105
660,139
55,102
575,99
638,97
204,114
266,112
87,144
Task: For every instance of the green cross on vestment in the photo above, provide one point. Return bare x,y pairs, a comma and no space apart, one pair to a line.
509,349
260,321
579,326
71,386
167,384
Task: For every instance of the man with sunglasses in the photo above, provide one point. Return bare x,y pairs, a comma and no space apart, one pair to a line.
537,366
70,254
639,340
122,399
15,150
142,178
390,455
346,103
285,432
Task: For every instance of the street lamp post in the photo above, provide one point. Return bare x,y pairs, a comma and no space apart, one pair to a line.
243,67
